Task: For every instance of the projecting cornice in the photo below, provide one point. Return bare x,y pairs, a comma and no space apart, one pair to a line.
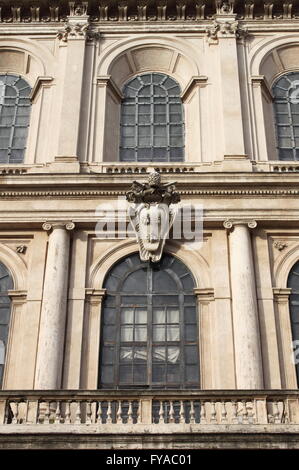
27,11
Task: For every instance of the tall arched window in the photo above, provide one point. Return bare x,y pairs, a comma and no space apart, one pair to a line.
149,326
15,107
6,283
293,283
286,107
152,121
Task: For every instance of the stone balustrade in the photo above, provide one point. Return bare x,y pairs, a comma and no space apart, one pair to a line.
104,409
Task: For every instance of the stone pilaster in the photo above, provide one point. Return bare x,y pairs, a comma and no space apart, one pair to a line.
248,358
53,310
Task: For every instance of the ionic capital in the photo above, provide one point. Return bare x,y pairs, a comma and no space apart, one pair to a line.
53,225
231,223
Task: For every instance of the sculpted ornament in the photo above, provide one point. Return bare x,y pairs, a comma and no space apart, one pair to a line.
152,214
226,28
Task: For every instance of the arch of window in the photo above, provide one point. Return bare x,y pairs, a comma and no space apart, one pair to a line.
286,107
293,283
152,120
15,107
149,335
6,283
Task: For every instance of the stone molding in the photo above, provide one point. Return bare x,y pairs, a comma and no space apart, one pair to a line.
281,295
40,83
107,81
200,81
17,296
261,81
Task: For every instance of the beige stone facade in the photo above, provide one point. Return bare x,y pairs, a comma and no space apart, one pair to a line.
225,59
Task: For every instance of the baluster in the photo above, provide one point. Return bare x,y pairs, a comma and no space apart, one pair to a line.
192,413
67,419
139,413
203,418
130,413
276,412
118,414
244,413
109,414
171,412
15,418
213,412
57,413
251,413
161,413
47,413
285,416
234,412
88,412
182,413
223,412
78,413
6,414
99,413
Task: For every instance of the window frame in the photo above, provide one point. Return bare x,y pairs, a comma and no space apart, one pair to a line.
144,130
153,299
21,94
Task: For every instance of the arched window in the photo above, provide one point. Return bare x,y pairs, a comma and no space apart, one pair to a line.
152,122
286,107
6,283
149,326
15,107
293,283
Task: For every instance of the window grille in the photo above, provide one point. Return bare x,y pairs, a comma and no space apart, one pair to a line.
149,326
152,121
286,106
15,107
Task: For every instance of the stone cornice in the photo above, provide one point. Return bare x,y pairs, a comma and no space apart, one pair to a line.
122,11
40,82
90,194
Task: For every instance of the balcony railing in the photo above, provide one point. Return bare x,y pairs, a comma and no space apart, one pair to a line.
104,409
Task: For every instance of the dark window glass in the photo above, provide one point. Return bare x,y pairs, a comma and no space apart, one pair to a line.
286,107
15,107
149,337
152,120
293,283
5,284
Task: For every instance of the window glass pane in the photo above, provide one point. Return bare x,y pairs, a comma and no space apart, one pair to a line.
173,373
126,354
159,354
109,316
140,374
127,315
140,333
140,315
140,354
126,333
158,333
108,355
159,315
158,373
173,315
173,354
190,333
192,374
190,314
191,354
107,374
125,374
173,333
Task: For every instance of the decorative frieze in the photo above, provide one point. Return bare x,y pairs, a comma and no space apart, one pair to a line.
143,10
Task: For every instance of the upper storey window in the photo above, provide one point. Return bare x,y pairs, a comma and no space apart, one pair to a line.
152,121
15,107
286,105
